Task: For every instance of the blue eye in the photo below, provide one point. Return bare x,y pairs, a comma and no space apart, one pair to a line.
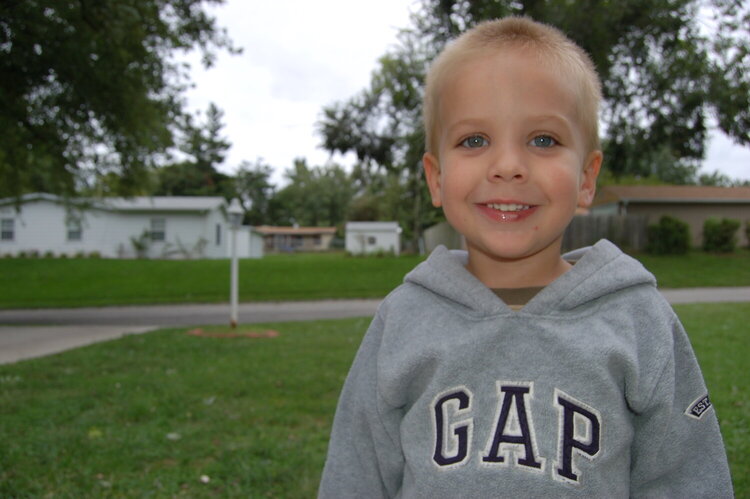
474,142
543,141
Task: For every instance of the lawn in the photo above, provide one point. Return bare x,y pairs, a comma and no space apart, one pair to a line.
92,282
170,414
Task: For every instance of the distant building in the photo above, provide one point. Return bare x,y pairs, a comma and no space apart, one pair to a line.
153,227
371,237
689,203
288,239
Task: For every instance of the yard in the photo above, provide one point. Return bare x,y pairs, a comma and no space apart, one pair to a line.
170,414
96,282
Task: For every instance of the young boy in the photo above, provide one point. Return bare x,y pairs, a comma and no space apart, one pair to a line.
505,370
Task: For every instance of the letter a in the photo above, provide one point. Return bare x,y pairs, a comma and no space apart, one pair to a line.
515,428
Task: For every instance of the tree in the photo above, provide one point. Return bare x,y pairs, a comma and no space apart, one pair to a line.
93,88
382,125
206,149
665,78
255,191
318,196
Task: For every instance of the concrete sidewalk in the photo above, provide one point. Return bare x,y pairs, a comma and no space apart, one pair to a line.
34,333
26,342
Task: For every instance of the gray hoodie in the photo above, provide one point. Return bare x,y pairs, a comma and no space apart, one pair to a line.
591,390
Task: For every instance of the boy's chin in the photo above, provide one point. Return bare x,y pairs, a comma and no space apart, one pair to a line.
511,251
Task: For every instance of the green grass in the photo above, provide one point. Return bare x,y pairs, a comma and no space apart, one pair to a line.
148,415
90,282
698,268
718,333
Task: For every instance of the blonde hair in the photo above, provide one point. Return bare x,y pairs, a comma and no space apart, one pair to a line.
549,43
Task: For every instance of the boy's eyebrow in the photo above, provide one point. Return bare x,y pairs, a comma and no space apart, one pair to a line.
480,122
555,118
466,122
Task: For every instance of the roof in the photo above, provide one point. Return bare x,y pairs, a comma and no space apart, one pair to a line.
138,203
163,203
294,231
671,194
372,226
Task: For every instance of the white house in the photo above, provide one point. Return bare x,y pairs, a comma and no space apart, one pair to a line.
371,237
154,227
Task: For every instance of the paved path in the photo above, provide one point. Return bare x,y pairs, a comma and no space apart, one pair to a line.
33,333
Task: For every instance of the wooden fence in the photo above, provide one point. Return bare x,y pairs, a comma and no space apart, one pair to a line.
626,231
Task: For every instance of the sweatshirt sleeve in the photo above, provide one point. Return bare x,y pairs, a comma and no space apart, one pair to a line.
678,449
364,453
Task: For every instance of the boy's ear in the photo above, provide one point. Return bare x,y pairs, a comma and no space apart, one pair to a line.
432,174
588,179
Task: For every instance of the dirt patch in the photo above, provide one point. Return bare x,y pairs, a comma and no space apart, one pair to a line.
268,333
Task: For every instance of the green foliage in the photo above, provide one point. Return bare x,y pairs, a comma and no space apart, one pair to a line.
92,89
318,196
720,236
670,236
382,126
206,150
254,189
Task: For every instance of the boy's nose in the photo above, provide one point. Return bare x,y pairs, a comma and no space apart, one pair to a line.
506,166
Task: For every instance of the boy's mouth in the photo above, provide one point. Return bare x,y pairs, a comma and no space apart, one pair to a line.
508,206
507,212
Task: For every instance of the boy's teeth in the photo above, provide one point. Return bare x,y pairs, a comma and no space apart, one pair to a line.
508,207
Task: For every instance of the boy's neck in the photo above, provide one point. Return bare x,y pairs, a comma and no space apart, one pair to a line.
537,270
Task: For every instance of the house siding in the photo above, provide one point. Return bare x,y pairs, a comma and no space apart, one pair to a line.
371,237
40,226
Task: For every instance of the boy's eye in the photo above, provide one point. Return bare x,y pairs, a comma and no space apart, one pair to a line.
543,141
474,142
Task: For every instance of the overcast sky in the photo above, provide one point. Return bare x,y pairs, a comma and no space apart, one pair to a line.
300,55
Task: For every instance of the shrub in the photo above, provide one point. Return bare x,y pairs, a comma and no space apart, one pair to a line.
720,236
670,236
49,254
747,232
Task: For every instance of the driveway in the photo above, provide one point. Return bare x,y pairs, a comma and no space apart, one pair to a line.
33,333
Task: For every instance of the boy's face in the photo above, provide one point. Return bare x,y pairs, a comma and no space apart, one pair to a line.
512,164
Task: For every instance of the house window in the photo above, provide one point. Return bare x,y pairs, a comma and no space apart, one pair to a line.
7,229
75,232
158,229
218,234
371,240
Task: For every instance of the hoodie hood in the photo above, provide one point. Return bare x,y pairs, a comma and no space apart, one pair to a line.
599,270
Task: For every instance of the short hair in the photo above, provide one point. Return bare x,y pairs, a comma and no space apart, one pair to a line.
570,60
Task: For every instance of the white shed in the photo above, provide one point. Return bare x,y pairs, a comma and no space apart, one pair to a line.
371,237
154,227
